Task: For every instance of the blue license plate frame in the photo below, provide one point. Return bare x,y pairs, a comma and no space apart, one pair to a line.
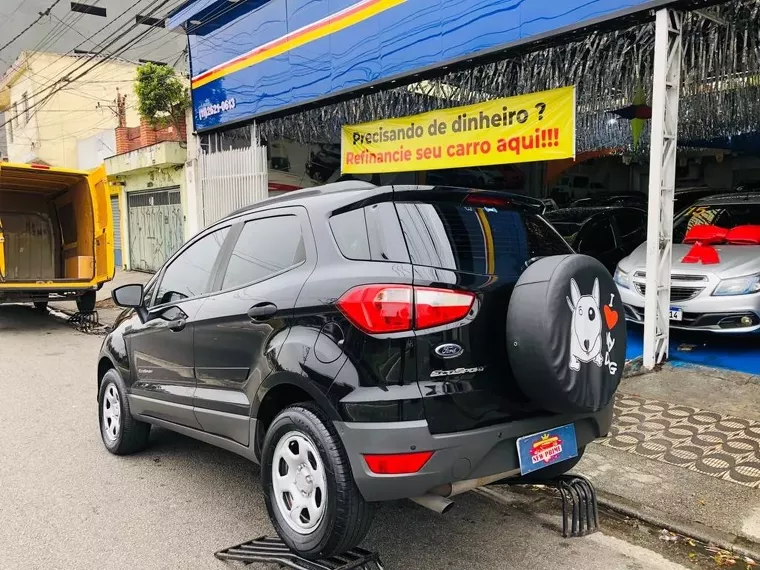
540,450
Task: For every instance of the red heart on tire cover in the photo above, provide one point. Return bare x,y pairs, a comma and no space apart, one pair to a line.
611,316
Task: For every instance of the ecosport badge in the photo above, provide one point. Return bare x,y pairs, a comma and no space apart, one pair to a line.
457,372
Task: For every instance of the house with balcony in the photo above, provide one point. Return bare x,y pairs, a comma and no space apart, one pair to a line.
147,175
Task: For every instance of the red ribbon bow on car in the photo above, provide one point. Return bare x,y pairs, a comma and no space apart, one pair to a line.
703,238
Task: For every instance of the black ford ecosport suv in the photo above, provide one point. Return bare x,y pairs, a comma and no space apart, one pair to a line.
366,344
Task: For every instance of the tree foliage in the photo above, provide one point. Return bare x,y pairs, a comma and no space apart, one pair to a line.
162,96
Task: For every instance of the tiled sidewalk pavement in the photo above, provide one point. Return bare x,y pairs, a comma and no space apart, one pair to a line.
707,442
685,448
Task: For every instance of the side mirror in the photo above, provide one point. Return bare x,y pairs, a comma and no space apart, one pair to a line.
130,297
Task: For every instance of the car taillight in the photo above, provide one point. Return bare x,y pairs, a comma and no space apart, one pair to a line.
478,200
378,309
398,464
436,307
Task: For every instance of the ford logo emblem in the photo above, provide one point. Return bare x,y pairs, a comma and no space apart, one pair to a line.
449,350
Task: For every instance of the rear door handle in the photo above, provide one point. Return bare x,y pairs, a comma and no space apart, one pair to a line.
262,312
177,325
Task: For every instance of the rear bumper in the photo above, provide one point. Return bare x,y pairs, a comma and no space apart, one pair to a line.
19,294
458,456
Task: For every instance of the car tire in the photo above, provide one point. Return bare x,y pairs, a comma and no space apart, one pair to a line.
302,452
547,473
121,433
86,303
566,335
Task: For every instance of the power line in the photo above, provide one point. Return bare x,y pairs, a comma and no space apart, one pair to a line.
9,18
100,125
16,9
52,86
56,32
205,22
66,76
117,51
103,28
30,26
59,35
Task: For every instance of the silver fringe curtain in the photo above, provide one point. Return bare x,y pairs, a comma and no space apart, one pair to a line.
720,93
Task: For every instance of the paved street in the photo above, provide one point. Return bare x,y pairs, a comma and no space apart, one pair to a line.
67,504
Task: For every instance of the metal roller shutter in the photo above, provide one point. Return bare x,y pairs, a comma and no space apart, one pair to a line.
116,217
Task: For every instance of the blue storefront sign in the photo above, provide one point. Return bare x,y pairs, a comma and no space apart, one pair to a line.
255,57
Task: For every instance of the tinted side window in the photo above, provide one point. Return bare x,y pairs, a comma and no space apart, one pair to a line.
631,225
350,231
580,182
189,275
476,240
265,247
543,241
595,238
148,293
370,234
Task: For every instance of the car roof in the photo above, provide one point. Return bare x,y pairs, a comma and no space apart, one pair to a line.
298,196
583,214
628,194
737,197
353,190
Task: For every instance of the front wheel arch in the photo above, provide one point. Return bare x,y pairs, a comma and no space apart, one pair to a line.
104,365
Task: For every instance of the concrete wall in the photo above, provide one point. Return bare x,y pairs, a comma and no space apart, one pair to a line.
22,132
3,141
93,150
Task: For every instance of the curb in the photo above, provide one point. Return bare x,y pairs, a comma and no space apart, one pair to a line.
679,525
657,518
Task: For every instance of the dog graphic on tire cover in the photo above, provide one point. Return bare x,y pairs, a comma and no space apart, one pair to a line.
586,327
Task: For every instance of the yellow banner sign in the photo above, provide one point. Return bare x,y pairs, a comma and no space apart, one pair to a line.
526,128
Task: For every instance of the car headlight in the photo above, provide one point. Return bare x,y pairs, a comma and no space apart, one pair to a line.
738,286
622,278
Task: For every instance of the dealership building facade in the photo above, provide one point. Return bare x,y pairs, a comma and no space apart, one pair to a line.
274,83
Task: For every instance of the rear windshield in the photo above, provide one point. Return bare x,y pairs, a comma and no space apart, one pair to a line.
725,216
482,240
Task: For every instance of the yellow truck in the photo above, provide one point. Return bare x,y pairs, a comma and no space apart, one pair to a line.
56,235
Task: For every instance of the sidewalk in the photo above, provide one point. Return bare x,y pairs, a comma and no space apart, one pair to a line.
684,451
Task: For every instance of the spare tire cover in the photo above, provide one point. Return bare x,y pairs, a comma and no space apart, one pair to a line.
566,334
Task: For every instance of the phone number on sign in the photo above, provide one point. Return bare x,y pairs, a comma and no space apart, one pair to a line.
210,110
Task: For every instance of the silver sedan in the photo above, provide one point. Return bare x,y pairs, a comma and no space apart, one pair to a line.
716,289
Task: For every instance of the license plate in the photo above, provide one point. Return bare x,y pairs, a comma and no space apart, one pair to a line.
546,448
676,314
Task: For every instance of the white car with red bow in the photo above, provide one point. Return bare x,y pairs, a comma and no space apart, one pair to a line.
715,278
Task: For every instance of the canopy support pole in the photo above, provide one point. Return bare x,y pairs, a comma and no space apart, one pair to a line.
668,56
